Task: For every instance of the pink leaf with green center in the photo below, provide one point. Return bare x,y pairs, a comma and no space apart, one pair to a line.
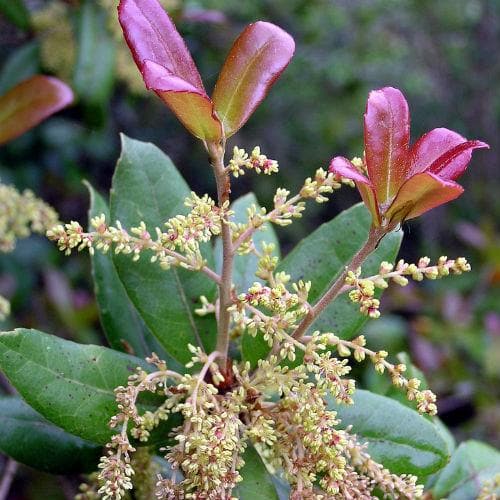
387,135
421,193
29,103
167,66
256,60
191,106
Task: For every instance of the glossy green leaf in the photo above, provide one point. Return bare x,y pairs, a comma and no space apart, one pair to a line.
26,436
94,69
122,325
472,464
397,436
320,258
70,384
16,12
147,187
30,102
256,60
245,266
257,483
20,65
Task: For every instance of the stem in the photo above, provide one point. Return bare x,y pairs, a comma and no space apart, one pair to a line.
374,237
222,179
8,476
201,376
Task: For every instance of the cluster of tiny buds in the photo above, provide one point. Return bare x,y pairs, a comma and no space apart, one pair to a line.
363,294
286,309
490,489
21,214
426,400
363,291
183,234
322,183
4,308
419,271
255,161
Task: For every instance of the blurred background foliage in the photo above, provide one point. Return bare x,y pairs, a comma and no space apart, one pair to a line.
442,55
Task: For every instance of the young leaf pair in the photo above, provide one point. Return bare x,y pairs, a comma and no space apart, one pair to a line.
256,60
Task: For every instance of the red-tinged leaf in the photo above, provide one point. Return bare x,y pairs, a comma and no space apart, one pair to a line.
151,35
453,163
421,193
192,106
343,167
387,135
30,102
255,62
437,148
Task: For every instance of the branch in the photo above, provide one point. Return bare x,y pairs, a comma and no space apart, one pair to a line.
216,153
337,287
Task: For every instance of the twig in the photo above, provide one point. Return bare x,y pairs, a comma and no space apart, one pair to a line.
337,286
216,153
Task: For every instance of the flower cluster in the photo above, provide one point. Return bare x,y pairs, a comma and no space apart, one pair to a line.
363,289
285,209
296,433
373,473
4,308
426,399
184,234
21,214
241,161
285,309
115,467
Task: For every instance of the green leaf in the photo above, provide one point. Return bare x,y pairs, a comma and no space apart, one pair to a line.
26,436
122,325
94,69
69,384
472,464
16,12
397,436
245,266
320,258
257,483
147,187
21,64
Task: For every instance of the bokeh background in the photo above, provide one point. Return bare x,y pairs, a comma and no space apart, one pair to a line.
442,55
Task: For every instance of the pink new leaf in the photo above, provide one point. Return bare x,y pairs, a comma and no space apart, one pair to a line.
29,103
256,60
167,66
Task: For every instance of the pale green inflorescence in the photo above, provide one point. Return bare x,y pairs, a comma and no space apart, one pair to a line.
280,411
21,213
